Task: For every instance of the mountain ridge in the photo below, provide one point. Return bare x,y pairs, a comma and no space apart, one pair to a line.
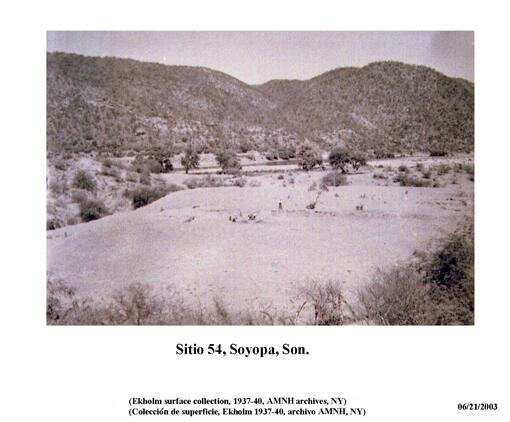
102,102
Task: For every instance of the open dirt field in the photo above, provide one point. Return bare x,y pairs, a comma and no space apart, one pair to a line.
187,241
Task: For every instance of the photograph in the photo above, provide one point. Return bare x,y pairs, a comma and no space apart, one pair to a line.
244,210
260,178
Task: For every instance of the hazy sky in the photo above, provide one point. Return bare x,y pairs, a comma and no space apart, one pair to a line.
257,57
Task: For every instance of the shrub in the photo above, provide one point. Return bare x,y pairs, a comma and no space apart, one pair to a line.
110,171
190,159
163,158
395,297
144,196
92,210
438,289
379,176
139,304
57,188
245,145
450,274
327,301
79,196
438,152
204,182
403,168
357,160
469,169
334,178
108,163
228,161
173,188
308,157
131,177
271,155
405,180
240,182
383,154
145,178
339,158
53,224
153,165
232,171
443,169
61,165
82,180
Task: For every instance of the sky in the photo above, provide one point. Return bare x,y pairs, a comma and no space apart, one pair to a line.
257,57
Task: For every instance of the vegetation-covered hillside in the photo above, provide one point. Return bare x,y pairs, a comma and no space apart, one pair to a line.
121,104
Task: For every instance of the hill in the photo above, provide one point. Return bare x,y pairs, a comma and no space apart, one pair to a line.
122,104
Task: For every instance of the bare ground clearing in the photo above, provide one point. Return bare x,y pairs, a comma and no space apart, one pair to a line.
186,240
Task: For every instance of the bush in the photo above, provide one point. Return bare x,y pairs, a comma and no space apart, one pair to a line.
173,188
443,169
145,196
78,196
438,152
334,178
395,297
426,174
190,159
139,304
403,168
92,210
204,182
450,274
271,155
328,302
228,161
53,224
405,180
240,182
469,169
357,160
339,158
61,165
379,176
308,157
438,289
145,178
110,171
82,180
153,165
379,154
57,188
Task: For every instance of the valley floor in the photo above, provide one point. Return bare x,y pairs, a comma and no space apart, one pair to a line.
187,242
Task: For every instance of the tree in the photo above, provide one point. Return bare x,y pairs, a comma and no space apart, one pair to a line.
308,157
228,161
339,158
190,159
163,157
357,160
